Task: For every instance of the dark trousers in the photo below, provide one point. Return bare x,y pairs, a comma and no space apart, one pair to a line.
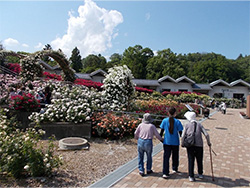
168,150
195,153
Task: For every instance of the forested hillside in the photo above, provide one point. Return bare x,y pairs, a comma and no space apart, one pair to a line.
145,64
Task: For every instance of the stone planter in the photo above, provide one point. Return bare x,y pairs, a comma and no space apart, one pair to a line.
22,117
66,129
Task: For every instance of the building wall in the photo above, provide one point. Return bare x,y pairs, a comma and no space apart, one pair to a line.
98,78
176,86
229,92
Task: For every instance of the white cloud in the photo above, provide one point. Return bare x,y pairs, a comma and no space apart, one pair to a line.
25,45
147,16
91,31
39,45
10,42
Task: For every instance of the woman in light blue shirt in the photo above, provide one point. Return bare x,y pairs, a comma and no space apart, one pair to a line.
173,129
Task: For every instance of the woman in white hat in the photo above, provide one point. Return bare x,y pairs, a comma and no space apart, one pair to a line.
144,134
195,151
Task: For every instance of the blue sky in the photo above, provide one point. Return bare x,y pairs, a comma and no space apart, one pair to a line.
108,27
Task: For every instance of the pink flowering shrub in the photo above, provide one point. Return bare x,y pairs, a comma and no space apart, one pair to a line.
27,102
140,89
15,67
164,93
48,75
88,83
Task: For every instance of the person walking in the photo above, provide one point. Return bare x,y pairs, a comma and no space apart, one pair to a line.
144,134
173,130
195,151
223,107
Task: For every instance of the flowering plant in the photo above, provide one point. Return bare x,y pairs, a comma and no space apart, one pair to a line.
48,75
26,102
19,151
15,67
140,89
70,104
111,126
88,83
160,107
30,68
119,90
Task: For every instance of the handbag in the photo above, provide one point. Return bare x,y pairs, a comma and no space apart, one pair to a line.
189,139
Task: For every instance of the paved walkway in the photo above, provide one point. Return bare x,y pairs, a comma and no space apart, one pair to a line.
230,137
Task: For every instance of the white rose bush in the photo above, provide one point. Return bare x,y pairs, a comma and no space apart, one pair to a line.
30,68
20,155
119,90
70,103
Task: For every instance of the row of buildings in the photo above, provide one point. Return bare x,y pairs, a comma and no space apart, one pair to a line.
219,88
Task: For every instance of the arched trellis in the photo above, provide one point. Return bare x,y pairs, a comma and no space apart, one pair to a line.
33,59
59,57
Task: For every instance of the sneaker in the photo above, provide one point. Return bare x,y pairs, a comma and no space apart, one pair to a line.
176,172
142,174
165,176
150,172
191,179
200,176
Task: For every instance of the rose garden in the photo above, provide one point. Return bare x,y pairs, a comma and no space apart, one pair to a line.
113,110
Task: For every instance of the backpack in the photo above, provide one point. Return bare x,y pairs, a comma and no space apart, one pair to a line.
189,139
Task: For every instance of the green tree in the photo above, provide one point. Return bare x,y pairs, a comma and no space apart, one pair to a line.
115,60
171,66
136,59
76,62
242,65
93,62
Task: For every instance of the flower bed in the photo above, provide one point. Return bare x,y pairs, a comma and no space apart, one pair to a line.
111,126
160,107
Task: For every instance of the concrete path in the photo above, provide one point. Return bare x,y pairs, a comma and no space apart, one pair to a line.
230,137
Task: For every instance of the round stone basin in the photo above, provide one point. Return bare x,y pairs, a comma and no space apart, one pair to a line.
73,143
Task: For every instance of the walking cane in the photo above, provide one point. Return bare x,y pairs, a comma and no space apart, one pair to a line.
210,150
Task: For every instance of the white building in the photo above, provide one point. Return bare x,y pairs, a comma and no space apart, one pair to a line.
219,88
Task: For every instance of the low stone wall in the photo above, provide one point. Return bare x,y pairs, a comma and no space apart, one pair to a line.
66,129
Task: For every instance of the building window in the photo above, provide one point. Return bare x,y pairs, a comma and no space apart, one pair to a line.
182,90
238,95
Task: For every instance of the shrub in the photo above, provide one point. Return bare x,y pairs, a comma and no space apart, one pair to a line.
88,83
19,152
26,102
30,68
118,87
160,107
48,75
111,126
15,67
140,89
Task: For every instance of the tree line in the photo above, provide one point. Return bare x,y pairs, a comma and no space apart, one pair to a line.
144,64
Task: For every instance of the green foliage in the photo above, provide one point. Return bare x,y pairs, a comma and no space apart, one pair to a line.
136,59
93,62
19,151
76,60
